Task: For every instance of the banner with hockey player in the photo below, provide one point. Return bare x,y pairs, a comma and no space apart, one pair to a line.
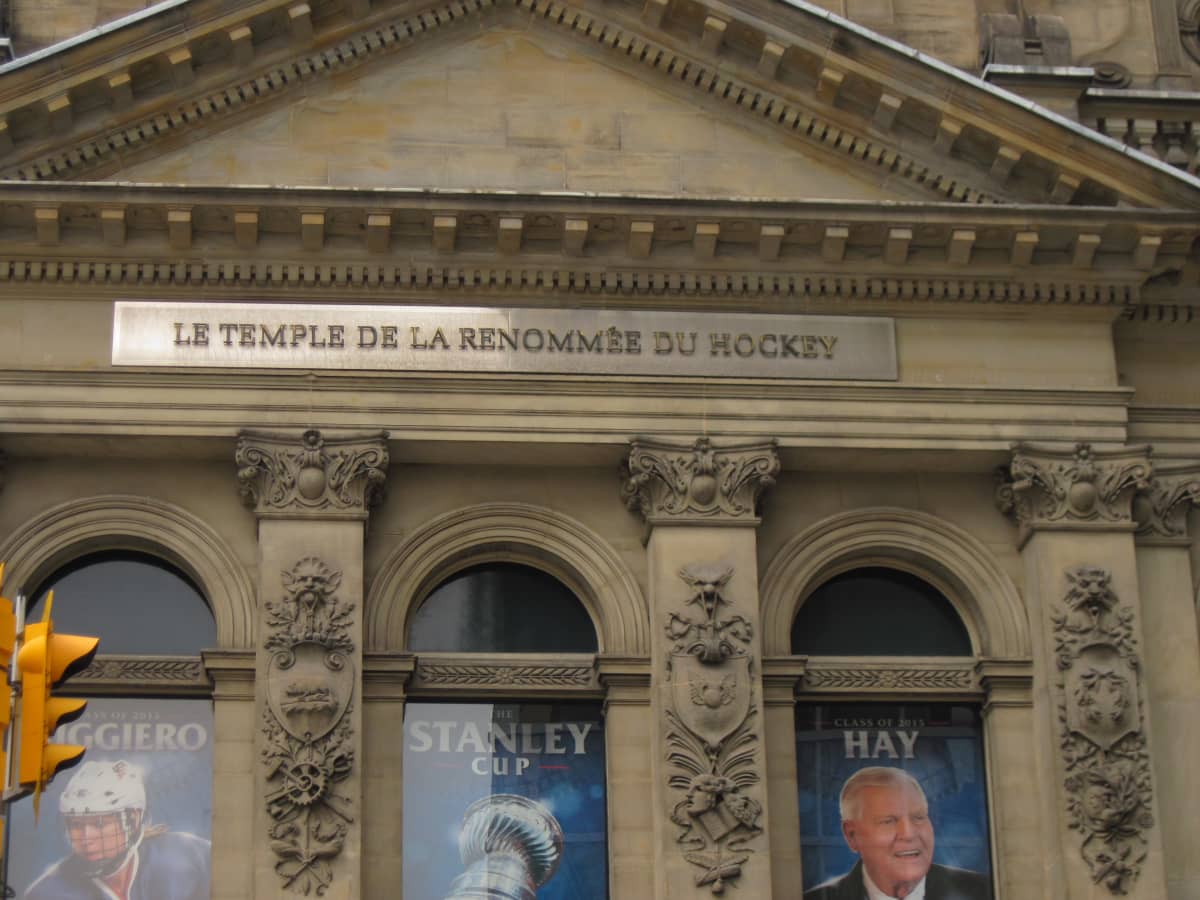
133,820
504,794
893,801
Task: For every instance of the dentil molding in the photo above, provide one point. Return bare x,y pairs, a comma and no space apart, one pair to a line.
283,477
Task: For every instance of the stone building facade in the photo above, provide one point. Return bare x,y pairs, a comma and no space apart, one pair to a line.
936,264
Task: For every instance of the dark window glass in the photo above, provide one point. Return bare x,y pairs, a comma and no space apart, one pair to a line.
133,602
502,607
879,612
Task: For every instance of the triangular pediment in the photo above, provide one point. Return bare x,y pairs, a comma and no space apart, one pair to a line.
788,97
511,109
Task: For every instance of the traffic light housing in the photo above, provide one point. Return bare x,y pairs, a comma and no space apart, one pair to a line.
8,639
47,659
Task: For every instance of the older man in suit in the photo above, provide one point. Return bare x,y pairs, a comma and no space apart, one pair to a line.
885,820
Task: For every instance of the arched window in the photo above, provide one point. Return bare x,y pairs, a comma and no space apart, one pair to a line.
134,602
504,744
886,706
147,728
878,612
502,608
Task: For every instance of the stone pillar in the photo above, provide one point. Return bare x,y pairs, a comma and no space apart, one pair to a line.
709,774
385,686
628,727
1172,663
1091,720
781,677
311,494
234,758
1019,831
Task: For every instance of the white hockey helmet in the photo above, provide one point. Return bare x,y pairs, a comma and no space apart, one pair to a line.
103,809
103,787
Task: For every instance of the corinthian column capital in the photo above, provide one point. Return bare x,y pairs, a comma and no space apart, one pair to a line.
1080,489
289,475
1160,509
681,483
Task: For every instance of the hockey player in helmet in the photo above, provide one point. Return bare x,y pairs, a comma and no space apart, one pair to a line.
115,853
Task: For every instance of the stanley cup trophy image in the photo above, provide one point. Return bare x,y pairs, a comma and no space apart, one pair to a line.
510,846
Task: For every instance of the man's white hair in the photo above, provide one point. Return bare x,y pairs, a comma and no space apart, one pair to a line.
850,803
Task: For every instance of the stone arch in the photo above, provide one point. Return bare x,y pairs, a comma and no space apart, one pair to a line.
510,532
128,522
944,555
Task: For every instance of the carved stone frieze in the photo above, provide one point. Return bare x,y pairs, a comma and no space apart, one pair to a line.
173,671
1050,488
341,476
308,750
1160,509
467,675
854,678
710,736
1103,739
667,482
167,675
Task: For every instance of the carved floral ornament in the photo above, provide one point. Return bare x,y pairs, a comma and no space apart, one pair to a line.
1103,740
667,482
1160,510
341,476
710,737
308,749
1052,488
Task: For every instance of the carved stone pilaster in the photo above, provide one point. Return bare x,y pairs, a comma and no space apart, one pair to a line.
680,483
1072,490
1103,737
309,739
711,736
329,477
1160,509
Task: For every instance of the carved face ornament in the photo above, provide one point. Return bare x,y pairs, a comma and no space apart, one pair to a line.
1091,593
309,583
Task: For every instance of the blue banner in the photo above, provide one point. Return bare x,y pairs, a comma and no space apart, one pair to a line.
133,818
522,777
895,792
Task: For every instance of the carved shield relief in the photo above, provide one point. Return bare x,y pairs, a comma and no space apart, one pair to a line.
309,689
712,701
1101,688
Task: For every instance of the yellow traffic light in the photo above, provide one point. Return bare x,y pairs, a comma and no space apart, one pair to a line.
45,661
8,638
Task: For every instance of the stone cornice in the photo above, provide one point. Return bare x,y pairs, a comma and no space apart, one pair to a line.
286,476
1054,489
93,107
1161,508
446,407
222,238
681,484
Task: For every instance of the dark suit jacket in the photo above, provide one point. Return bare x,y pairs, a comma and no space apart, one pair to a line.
942,883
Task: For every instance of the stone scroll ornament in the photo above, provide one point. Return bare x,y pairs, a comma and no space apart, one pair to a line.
710,730
1108,779
308,752
329,475
666,481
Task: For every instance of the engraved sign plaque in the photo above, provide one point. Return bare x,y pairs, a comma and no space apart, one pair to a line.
509,341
